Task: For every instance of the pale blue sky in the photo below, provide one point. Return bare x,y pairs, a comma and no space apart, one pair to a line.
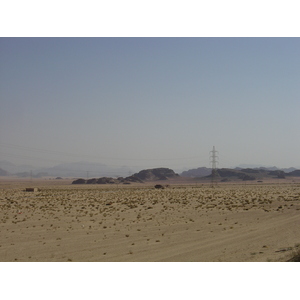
150,102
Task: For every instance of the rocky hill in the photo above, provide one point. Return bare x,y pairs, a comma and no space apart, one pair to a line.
155,174
253,174
295,173
225,174
140,177
243,174
199,172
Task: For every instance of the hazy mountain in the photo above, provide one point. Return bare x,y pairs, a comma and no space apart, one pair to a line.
76,169
253,166
93,170
253,174
288,170
270,168
3,172
86,169
200,172
13,169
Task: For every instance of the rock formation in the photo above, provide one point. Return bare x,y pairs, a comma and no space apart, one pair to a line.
144,175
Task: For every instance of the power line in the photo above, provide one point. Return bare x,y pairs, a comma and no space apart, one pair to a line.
214,162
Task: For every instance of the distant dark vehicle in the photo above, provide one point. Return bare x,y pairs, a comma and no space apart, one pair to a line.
159,186
58,178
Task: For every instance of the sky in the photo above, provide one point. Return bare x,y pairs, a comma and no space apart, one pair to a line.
150,102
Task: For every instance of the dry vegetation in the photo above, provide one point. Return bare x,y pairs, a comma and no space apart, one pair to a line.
139,223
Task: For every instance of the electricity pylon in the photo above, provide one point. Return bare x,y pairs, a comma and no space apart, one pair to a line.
214,162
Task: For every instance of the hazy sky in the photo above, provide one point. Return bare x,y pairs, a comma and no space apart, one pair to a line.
150,102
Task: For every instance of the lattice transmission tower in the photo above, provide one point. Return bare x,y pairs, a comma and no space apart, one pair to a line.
214,161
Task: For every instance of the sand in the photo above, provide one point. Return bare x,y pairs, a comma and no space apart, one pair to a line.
187,223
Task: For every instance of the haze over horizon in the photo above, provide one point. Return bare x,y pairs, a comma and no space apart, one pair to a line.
150,102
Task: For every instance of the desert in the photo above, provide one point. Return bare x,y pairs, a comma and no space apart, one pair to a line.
186,221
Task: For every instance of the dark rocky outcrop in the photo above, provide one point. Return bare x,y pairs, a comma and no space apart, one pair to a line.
79,181
132,178
106,180
248,177
294,173
144,175
277,173
230,173
248,170
156,174
199,172
242,174
91,181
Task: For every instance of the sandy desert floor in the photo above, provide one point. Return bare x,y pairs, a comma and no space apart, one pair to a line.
189,223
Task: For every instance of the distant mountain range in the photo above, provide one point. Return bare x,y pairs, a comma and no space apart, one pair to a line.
225,174
87,169
140,177
93,170
76,169
203,171
257,167
13,169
